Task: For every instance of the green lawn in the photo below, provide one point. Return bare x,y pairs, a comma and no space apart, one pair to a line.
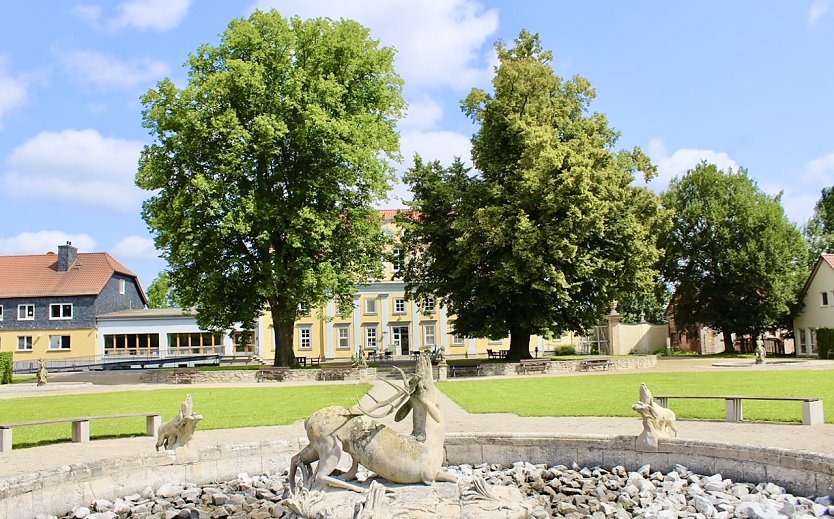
221,408
613,395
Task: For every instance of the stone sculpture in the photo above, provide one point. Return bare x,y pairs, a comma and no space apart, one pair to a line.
41,374
178,431
397,457
760,354
658,422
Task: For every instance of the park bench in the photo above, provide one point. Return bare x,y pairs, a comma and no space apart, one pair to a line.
812,412
184,376
497,354
465,368
333,373
594,364
277,374
80,426
527,365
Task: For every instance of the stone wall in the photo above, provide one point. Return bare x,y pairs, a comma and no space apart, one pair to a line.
57,490
165,376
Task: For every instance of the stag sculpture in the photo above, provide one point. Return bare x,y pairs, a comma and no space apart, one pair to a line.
397,457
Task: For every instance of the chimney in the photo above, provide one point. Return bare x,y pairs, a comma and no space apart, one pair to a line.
66,257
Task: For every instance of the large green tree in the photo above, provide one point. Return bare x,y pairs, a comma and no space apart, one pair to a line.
267,166
819,229
736,261
549,231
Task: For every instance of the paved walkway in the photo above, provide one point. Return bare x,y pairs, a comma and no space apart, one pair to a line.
817,438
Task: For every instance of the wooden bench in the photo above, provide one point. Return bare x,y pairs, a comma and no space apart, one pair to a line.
275,373
80,426
465,368
812,411
334,373
527,365
315,361
301,361
184,376
594,364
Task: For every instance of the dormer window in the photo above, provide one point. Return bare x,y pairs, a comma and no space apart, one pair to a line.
60,311
25,312
122,286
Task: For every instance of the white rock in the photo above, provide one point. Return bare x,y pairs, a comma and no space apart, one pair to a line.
704,506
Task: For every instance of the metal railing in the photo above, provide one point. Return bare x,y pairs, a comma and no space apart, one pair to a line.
110,361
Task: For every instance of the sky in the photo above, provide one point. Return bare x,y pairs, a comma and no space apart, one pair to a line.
740,84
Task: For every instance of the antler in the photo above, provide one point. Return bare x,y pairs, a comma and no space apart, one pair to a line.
402,393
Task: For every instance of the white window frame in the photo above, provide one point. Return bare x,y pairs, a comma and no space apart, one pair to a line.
304,309
396,259
812,340
1,312
122,286
496,342
25,342
457,340
427,335
340,337
429,305
370,306
56,343
305,338
61,307
371,338
26,317
399,305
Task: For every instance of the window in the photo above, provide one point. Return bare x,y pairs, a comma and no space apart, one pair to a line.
133,344
800,337
496,341
344,338
457,340
122,286
370,337
824,298
59,342
428,334
305,338
399,305
203,343
812,341
304,309
1,312
24,343
428,305
60,311
370,306
25,312
396,259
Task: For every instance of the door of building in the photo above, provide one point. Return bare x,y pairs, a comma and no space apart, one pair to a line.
399,338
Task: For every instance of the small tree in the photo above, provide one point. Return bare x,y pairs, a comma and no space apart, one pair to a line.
6,367
267,166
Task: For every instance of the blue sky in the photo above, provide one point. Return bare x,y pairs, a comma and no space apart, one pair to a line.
746,83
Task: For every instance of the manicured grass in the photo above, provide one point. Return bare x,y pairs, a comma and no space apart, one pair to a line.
613,395
222,408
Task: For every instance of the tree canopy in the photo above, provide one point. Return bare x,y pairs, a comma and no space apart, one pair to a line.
736,261
819,230
266,167
161,292
548,231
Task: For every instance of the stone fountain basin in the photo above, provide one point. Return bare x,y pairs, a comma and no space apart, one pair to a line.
55,491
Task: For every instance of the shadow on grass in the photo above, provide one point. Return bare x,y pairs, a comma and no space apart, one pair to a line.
93,437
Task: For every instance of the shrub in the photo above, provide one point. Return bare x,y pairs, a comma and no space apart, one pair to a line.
825,341
6,367
565,350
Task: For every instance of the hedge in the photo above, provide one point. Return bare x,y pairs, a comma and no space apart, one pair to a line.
6,366
825,341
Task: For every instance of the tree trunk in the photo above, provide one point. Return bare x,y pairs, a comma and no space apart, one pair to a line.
519,344
729,347
284,329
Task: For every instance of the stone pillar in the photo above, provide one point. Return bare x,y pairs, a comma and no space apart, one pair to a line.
614,320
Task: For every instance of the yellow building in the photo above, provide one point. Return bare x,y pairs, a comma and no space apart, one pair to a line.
384,320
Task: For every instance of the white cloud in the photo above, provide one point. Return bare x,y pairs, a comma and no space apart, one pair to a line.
135,247
13,89
800,197
75,167
438,42
105,70
817,10
423,113
42,242
159,15
681,161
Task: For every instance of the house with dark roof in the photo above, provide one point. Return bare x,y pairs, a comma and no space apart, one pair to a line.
49,302
817,306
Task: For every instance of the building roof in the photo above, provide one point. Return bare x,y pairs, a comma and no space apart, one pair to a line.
389,214
38,275
149,313
827,259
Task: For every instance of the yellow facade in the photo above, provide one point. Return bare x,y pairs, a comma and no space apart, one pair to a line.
48,344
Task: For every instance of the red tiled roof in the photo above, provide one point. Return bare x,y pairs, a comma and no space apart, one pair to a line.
829,258
389,214
38,276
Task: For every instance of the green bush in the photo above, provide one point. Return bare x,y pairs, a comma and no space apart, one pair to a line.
6,367
825,341
565,350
